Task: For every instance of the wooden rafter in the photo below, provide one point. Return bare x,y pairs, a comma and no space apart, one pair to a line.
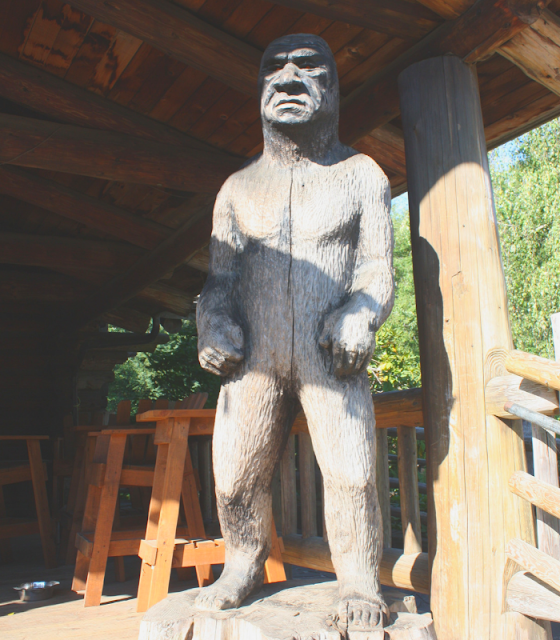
64,102
472,36
81,208
113,156
396,18
183,36
178,248
55,253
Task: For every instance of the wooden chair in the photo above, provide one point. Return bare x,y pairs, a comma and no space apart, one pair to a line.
162,549
35,472
98,538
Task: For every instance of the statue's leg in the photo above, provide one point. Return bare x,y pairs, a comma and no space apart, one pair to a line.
341,422
253,419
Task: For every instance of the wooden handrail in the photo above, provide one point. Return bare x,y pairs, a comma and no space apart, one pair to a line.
541,494
535,368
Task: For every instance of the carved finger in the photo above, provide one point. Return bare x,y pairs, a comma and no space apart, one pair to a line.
338,358
362,361
349,362
325,339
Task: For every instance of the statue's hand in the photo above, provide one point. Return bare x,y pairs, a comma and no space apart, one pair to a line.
350,338
220,346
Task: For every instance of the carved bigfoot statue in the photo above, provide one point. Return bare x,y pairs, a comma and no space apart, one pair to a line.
300,280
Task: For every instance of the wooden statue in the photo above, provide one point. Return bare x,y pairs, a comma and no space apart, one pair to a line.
300,281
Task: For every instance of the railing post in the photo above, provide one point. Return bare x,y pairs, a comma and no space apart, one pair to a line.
462,316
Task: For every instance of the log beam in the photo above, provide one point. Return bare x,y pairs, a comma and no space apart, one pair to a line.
396,569
532,367
55,253
462,317
516,389
528,596
541,494
62,101
393,17
81,208
541,565
472,36
112,156
181,35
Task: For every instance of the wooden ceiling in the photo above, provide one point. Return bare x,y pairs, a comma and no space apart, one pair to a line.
119,120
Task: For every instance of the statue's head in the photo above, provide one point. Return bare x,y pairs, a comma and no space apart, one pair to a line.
298,82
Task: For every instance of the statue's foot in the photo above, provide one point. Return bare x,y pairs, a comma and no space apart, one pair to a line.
229,591
360,615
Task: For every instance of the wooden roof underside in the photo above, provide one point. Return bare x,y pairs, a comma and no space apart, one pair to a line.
120,120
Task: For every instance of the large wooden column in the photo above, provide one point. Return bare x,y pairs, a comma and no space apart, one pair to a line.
462,318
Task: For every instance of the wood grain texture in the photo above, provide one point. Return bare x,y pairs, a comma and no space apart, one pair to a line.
513,388
528,596
408,489
462,316
537,562
114,156
535,368
180,34
539,493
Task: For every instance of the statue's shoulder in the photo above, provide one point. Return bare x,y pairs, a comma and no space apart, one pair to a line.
238,180
364,169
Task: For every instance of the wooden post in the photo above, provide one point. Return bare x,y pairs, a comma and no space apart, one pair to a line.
408,490
382,482
462,317
308,486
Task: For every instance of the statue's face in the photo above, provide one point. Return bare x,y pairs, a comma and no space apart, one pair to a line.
297,83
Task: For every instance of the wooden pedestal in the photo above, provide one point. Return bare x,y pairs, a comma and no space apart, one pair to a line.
295,610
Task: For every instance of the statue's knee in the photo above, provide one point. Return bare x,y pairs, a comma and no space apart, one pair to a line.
354,482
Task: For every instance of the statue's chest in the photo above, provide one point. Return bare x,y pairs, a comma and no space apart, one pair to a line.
296,206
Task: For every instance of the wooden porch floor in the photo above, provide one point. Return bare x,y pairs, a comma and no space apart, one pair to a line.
64,617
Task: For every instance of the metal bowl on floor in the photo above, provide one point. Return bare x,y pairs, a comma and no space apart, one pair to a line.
33,591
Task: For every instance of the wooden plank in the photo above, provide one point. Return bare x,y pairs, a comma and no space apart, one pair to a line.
539,493
63,101
108,155
513,388
539,563
528,596
534,368
38,480
15,527
181,35
82,208
74,28
393,17
472,36
396,569
408,489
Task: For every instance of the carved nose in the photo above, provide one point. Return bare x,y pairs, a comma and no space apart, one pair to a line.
289,80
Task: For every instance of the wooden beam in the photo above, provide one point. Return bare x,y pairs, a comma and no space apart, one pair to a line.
112,156
534,368
81,208
526,595
536,51
541,494
184,243
472,36
62,101
396,569
181,35
541,565
396,18
23,286
68,253
512,388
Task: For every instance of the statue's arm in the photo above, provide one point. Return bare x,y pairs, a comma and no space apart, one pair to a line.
349,331
220,338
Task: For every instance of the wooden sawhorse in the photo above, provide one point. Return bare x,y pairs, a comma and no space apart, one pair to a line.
161,550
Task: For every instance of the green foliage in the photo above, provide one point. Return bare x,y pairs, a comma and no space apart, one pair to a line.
527,195
171,372
396,362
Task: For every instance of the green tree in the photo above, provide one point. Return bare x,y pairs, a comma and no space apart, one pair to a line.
171,372
526,181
